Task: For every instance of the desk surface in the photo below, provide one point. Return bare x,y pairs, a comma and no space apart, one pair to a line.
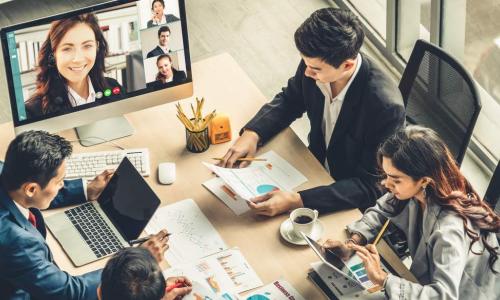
228,89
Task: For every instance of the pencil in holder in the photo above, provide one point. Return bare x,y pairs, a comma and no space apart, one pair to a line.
197,141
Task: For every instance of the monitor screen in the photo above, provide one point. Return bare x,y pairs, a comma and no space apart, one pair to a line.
128,201
99,55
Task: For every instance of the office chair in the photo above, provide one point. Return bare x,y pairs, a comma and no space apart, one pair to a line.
440,94
492,194
134,71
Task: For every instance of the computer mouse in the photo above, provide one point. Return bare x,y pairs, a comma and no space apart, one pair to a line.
166,173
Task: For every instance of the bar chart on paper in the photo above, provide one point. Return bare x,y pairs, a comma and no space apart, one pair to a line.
224,273
228,270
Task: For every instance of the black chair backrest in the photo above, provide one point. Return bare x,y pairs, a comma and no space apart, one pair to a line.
492,194
440,94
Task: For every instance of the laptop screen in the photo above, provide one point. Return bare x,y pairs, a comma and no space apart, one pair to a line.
128,201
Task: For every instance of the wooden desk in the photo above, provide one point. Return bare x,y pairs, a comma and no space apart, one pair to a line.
228,89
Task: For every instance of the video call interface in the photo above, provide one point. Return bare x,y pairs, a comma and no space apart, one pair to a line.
94,58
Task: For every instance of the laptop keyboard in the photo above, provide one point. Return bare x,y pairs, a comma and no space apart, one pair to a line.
94,230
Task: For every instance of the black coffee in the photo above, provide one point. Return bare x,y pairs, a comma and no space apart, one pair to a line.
303,219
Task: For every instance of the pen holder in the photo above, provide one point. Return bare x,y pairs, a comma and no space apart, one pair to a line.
197,141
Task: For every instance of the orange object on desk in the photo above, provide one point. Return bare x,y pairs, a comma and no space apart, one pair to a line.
220,129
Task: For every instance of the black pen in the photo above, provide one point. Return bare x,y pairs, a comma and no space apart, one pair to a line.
143,239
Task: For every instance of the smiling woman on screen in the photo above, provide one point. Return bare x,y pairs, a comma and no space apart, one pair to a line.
70,67
166,73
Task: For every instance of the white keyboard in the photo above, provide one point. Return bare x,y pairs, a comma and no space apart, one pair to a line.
90,164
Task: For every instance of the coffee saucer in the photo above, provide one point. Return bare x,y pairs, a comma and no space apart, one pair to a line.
287,232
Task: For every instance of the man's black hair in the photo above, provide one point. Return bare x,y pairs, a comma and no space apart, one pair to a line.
132,274
163,29
330,34
33,156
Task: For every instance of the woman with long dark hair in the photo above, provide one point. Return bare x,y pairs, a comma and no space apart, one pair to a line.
450,230
70,66
166,73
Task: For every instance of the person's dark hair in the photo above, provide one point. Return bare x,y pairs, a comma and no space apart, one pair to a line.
154,1
49,83
331,34
33,156
419,152
163,29
159,75
132,274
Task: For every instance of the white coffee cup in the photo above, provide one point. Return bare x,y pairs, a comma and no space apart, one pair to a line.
303,220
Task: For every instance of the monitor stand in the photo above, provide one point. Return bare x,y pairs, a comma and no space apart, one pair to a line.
104,130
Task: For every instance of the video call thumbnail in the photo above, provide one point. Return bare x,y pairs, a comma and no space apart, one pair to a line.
94,58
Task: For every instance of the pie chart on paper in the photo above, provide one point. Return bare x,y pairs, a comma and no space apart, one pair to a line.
258,297
266,188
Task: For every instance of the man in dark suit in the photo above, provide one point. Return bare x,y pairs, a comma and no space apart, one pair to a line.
352,107
32,178
163,47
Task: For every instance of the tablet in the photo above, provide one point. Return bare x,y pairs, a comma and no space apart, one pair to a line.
333,261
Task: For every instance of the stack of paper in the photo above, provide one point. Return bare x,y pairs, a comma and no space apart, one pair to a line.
236,186
219,276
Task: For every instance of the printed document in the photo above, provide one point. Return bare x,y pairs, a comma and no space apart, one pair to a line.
277,290
193,236
236,186
224,274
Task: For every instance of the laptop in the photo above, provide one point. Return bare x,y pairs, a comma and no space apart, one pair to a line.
100,228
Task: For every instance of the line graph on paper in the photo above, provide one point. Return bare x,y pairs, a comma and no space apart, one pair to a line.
193,236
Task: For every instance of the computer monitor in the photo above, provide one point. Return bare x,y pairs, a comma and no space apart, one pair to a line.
88,67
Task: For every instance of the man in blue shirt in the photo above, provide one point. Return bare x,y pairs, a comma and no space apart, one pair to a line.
33,179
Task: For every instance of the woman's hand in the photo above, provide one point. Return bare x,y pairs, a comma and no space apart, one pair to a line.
155,18
341,249
371,260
